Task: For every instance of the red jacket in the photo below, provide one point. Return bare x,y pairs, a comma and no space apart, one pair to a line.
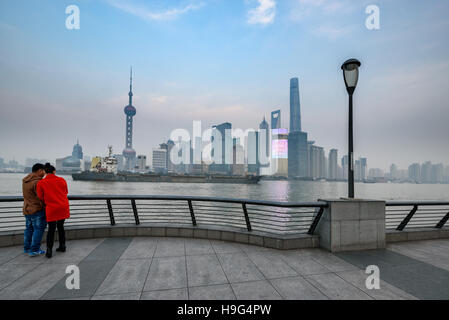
52,190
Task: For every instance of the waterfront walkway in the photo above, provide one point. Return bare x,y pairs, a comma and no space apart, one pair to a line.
176,268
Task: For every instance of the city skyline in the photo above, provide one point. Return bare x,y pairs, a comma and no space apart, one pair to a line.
75,79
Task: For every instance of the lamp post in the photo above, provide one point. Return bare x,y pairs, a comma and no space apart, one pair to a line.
351,76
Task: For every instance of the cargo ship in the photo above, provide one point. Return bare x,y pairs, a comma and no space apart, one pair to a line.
105,169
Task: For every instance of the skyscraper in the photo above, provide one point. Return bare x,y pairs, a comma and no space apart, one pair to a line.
426,170
141,164
265,126
345,166
253,152
414,172
295,106
159,160
276,119
129,153
298,159
222,149
333,165
317,161
363,169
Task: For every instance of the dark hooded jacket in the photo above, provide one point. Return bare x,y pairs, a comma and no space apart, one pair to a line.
31,202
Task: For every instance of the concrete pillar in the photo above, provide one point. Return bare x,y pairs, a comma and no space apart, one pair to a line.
352,224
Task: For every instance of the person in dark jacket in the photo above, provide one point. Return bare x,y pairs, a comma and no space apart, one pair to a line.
33,210
52,190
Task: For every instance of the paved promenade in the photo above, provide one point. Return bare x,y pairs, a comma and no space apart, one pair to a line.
174,268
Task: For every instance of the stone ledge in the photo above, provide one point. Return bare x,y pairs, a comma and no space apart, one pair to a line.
417,234
282,242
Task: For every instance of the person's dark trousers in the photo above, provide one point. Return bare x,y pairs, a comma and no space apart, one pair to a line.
51,234
34,230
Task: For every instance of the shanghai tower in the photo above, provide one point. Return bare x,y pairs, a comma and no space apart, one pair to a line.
297,139
129,153
295,106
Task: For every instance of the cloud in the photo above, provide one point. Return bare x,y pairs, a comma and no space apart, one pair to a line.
147,14
263,14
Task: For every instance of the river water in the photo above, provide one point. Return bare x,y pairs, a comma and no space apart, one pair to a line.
11,185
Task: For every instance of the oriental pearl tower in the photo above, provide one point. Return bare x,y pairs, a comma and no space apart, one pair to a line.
129,153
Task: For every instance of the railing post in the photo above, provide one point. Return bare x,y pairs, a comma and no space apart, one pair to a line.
443,221
136,215
315,221
192,214
111,213
245,211
407,219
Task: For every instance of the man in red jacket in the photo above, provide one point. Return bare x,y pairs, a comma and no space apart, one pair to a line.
52,190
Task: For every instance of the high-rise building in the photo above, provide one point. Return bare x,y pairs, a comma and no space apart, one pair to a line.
345,166
130,111
437,173
357,170
265,129
360,169
141,164
394,172
363,169
414,172
222,149
238,158
446,175
169,165
298,158
276,120
159,160
333,165
253,146
279,146
426,171
317,162
295,106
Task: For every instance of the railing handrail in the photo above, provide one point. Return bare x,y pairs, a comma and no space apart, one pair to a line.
416,203
316,204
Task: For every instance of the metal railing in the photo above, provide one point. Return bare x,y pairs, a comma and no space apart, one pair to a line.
281,218
416,214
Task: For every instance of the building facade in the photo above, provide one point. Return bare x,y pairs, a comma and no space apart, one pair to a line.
159,162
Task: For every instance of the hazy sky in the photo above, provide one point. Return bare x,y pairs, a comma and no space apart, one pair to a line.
223,60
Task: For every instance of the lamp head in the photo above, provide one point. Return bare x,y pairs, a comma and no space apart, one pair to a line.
351,74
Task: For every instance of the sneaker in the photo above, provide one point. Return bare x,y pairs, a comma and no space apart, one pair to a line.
41,251
26,251
33,254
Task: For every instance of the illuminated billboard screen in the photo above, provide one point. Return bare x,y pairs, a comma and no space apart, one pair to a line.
280,149
279,131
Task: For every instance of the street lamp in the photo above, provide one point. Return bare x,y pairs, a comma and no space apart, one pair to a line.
351,75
